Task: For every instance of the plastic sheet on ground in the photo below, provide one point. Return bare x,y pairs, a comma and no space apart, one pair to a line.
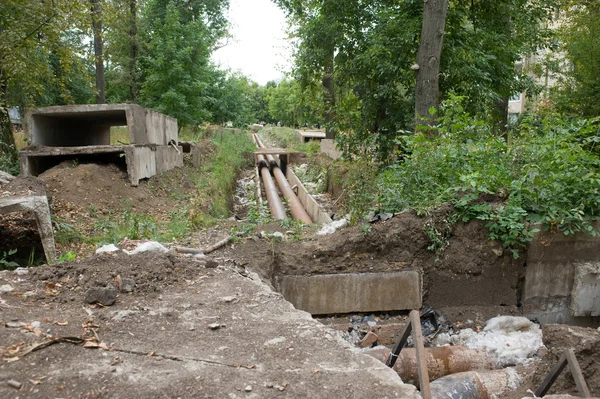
332,227
109,248
150,246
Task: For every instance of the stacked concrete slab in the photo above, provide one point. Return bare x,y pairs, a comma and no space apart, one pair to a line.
562,282
84,130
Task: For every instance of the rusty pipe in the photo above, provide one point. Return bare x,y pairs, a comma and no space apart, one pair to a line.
441,361
476,384
296,209
275,204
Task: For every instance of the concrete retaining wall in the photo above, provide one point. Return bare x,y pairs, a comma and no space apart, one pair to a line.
355,292
141,163
167,158
314,210
562,282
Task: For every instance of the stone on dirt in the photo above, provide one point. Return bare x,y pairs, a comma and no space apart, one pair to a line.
368,340
126,285
105,296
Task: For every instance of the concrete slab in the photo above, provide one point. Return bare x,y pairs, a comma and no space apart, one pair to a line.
314,210
162,346
37,204
550,278
168,157
141,163
328,146
353,292
585,296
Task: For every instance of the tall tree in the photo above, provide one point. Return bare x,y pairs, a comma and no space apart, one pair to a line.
427,88
133,50
96,14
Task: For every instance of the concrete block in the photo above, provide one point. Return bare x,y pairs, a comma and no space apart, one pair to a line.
328,147
314,210
353,292
171,130
155,127
585,296
167,158
141,163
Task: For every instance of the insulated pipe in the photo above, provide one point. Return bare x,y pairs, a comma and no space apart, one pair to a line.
441,361
296,209
275,204
476,384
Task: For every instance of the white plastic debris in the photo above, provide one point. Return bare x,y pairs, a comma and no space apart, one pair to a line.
109,248
6,288
510,340
332,227
21,271
149,246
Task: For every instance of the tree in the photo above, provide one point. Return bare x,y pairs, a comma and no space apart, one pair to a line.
427,90
579,83
96,15
30,32
180,37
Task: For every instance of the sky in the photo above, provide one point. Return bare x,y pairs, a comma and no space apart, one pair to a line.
258,48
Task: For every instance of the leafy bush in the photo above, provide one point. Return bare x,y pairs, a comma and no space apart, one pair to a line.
548,175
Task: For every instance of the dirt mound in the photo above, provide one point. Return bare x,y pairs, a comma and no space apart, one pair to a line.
152,272
586,344
104,186
470,260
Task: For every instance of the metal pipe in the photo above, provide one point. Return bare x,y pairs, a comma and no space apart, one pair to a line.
441,361
296,209
275,204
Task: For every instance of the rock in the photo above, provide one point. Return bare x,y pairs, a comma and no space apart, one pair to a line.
211,264
126,285
214,326
6,288
15,384
248,388
102,295
123,314
229,299
368,340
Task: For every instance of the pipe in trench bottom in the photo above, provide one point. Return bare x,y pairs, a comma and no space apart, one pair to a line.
296,209
441,361
275,205
482,384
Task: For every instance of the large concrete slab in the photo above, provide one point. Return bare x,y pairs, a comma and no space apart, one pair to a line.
314,210
141,163
353,292
168,157
162,346
550,278
585,296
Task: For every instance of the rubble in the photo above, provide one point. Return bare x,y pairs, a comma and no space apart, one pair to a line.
105,296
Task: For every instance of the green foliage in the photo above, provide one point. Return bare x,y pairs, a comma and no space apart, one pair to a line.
216,183
8,264
546,176
359,184
66,257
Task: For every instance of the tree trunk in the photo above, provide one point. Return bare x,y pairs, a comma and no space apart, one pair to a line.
330,96
98,51
427,90
132,50
9,156
501,116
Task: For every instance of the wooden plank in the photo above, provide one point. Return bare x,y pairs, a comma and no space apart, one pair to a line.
552,376
415,321
582,387
399,344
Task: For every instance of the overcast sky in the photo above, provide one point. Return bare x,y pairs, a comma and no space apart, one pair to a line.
258,48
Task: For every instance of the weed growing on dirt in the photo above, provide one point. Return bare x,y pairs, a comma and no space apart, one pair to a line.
359,182
8,264
548,174
216,183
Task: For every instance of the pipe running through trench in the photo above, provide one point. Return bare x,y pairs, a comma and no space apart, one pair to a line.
296,209
275,204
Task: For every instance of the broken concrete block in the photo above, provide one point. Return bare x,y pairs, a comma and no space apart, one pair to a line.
102,295
368,340
353,292
585,295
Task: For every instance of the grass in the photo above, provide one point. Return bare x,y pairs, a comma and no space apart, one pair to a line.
216,183
119,135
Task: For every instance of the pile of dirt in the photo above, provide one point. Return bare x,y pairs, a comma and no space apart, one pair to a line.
104,186
470,260
152,273
585,342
